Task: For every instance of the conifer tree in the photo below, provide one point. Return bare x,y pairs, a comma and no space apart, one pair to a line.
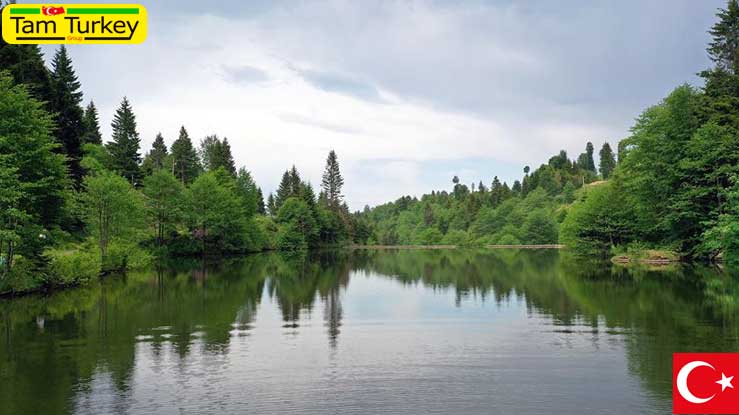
216,153
271,207
185,162
91,126
156,157
724,48
284,191
124,149
65,103
25,64
332,181
607,161
295,182
260,202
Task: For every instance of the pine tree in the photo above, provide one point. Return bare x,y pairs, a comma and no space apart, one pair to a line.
227,158
724,48
332,181
124,149
260,202
156,157
216,154
25,63
91,126
65,103
295,182
185,162
271,207
284,191
589,150
607,161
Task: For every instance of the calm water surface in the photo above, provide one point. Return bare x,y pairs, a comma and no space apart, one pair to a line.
502,332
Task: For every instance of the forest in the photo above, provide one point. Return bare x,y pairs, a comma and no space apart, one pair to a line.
75,205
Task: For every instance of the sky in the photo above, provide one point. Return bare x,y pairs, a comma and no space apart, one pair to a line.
408,93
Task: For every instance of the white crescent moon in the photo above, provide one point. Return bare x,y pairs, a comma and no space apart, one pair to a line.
682,382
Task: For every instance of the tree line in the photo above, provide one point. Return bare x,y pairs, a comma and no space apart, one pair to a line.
73,206
672,186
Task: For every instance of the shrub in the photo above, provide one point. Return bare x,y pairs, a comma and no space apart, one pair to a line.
24,276
290,238
456,237
429,236
69,267
508,239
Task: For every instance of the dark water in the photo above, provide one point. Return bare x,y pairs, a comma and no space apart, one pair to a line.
501,332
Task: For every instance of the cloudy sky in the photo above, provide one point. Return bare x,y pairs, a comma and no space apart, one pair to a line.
409,93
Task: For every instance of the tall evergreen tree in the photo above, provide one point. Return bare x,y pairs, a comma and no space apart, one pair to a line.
295,182
65,103
216,153
332,181
724,47
284,191
185,162
124,149
720,102
260,202
91,126
271,207
156,157
25,63
607,161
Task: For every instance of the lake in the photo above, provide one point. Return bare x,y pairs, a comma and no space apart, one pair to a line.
366,331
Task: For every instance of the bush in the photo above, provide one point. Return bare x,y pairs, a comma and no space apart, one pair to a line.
124,255
429,236
290,238
508,239
24,276
72,267
456,237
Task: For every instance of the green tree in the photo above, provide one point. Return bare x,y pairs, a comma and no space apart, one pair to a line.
248,192
260,202
607,161
185,161
65,104
724,47
214,210
156,158
332,181
164,194
296,213
91,126
605,218
27,144
271,206
124,149
11,215
113,209
216,153
25,64
540,228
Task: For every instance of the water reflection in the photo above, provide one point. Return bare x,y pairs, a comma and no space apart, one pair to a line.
78,348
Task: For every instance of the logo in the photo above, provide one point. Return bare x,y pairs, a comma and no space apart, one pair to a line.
74,23
51,11
704,383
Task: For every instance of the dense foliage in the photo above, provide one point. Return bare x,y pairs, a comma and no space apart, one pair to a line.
72,200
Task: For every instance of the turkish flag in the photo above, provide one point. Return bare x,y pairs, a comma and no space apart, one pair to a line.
704,383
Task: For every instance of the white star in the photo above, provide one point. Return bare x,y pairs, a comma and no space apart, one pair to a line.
725,382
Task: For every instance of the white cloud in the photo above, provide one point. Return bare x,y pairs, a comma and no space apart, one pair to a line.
390,86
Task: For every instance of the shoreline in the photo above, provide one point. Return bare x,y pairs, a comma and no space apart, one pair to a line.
409,247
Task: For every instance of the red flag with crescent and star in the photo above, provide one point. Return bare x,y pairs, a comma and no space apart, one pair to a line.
704,383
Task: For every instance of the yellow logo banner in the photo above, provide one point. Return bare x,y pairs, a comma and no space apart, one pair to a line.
74,23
